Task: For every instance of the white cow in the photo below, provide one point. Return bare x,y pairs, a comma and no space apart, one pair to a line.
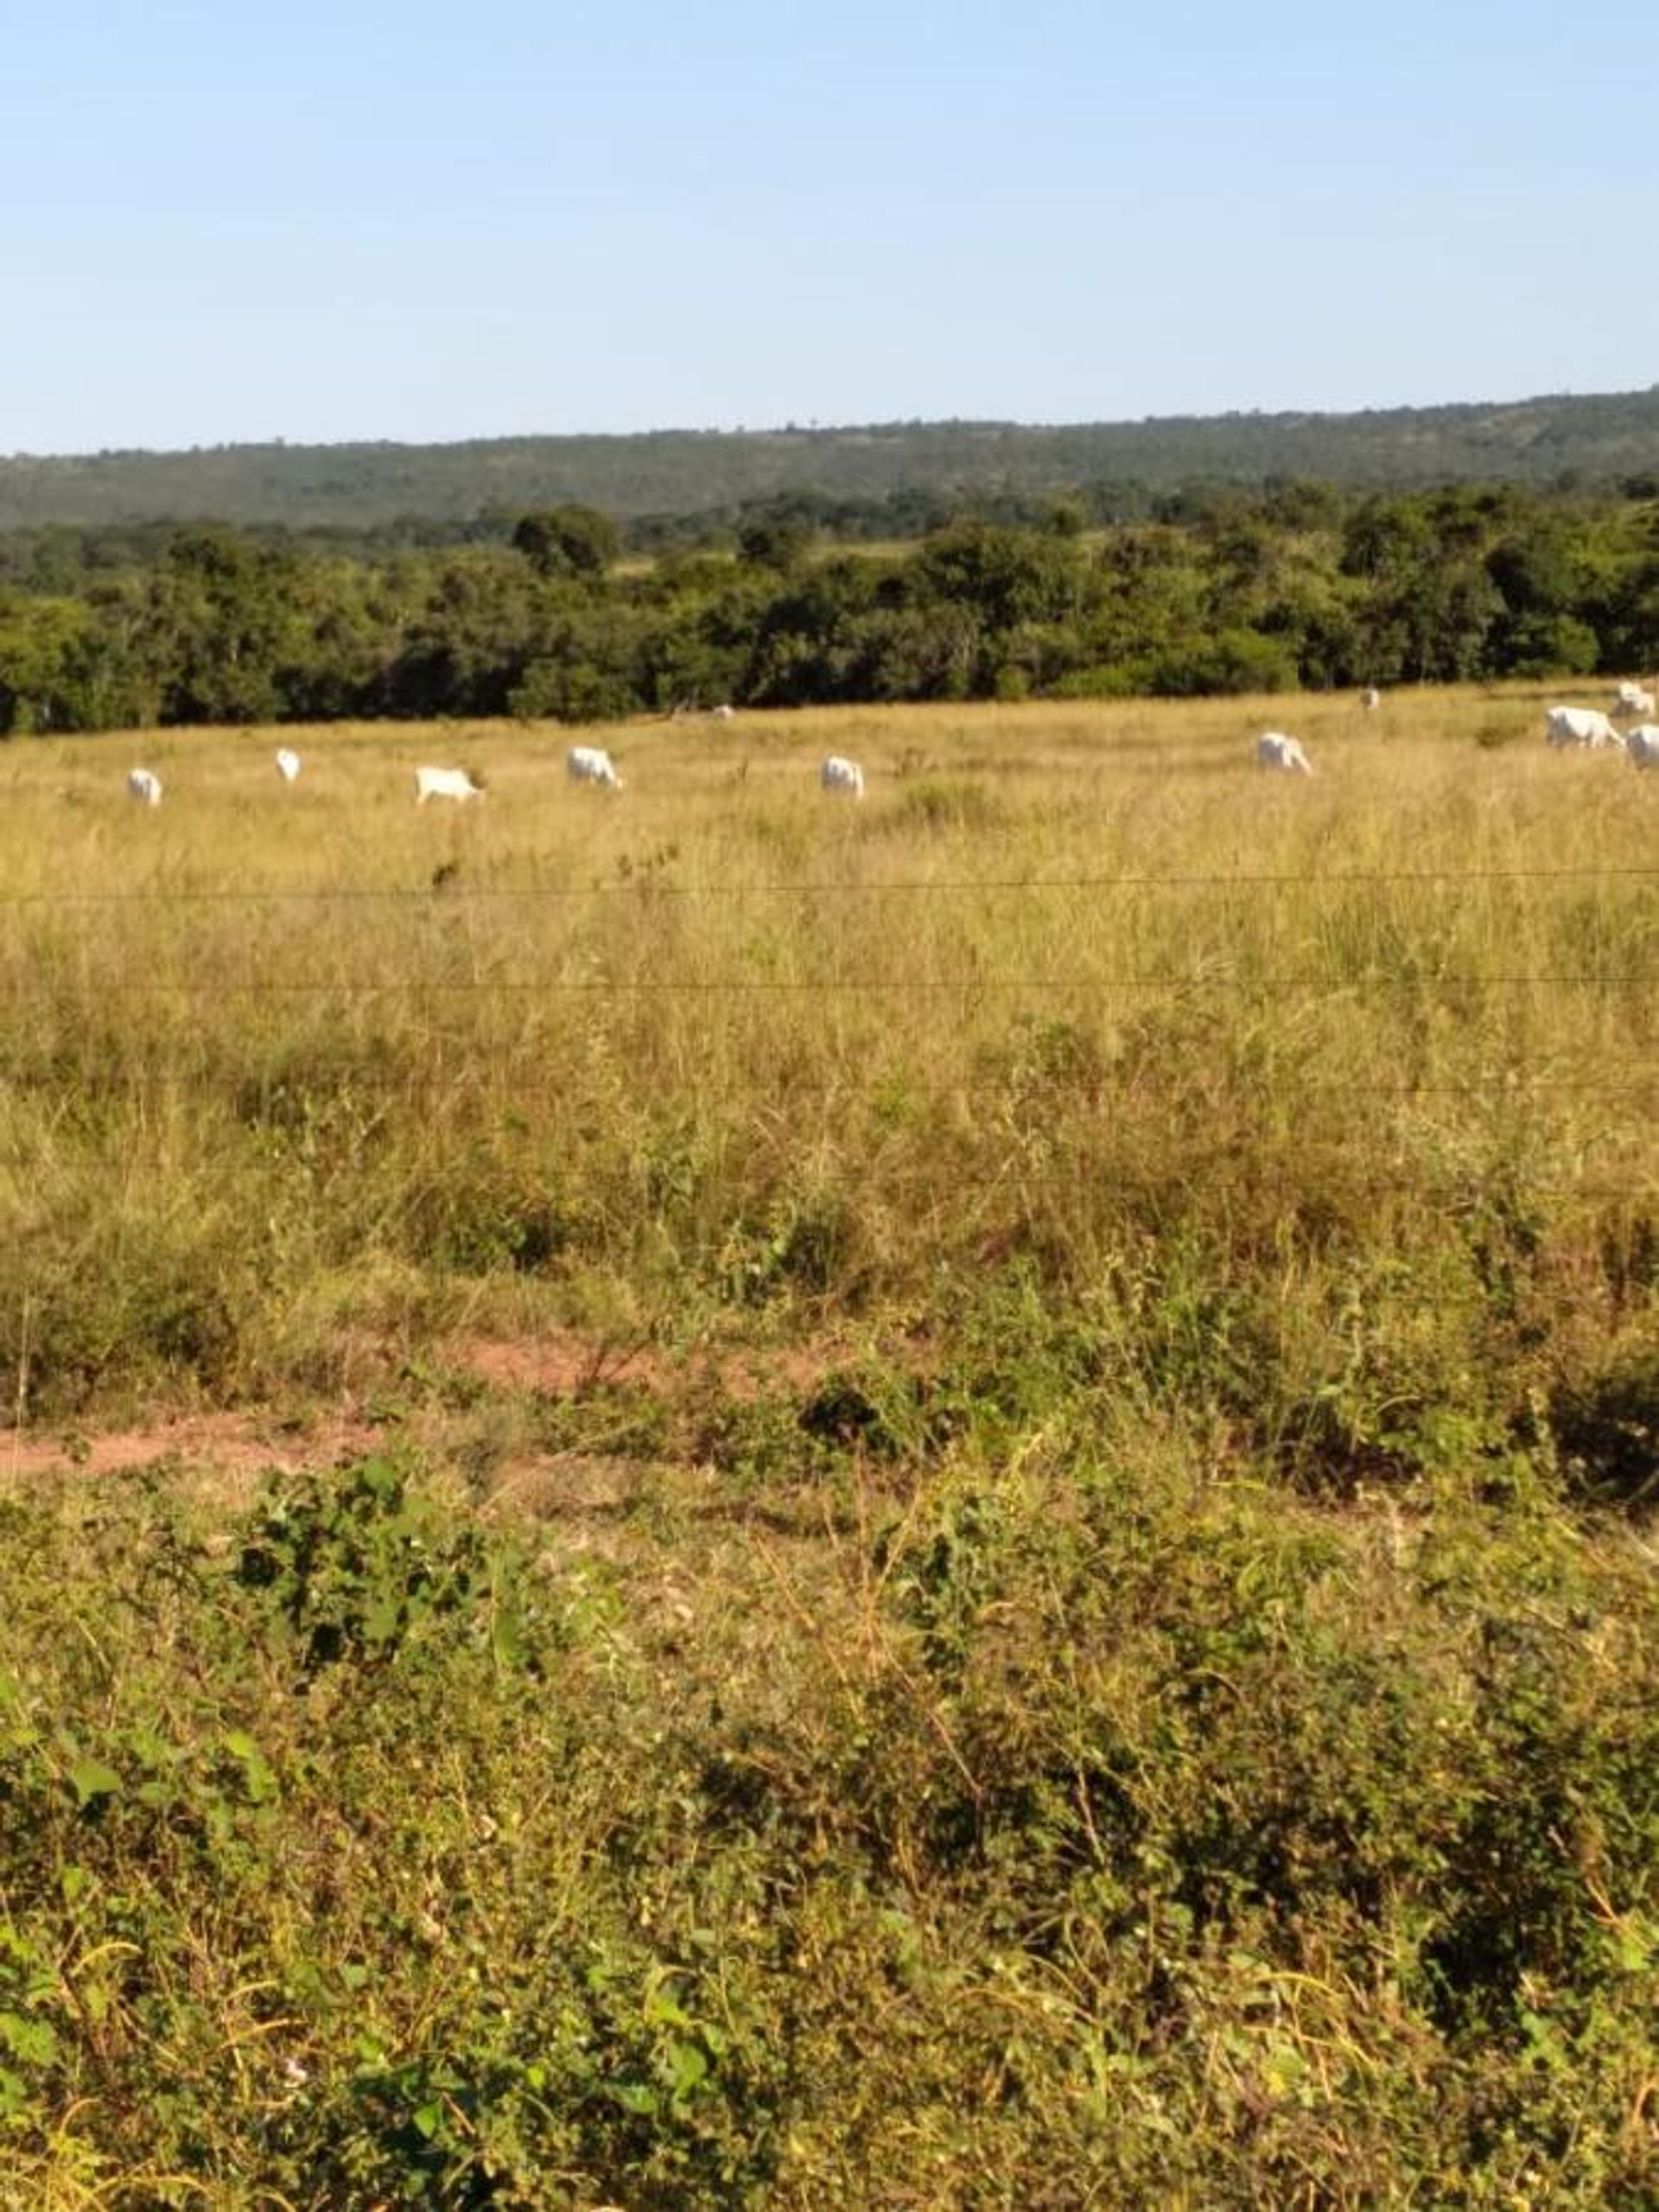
1275,750
1633,700
288,764
144,786
444,783
1371,698
721,713
1643,744
1585,725
589,763
840,774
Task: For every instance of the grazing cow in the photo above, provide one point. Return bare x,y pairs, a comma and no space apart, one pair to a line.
288,765
444,783
1643,744
840,774
1583,725
1633,700
144,786
588,764
1275,750
1371,698
721,713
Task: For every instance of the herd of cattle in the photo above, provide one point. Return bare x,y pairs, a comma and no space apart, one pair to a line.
1589,727
584,764
1586,726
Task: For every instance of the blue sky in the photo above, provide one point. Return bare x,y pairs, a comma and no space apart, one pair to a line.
415,221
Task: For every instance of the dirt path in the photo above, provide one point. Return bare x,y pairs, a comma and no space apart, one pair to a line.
244,1444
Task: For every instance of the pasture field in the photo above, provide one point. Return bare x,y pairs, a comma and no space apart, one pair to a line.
943,1501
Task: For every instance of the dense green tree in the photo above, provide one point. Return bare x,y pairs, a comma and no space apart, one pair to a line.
1228,663
1233,590
1007,576
569,541
218,623
43,647
1630,639
774,540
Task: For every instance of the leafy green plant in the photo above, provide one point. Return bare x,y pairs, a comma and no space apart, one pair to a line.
358,1567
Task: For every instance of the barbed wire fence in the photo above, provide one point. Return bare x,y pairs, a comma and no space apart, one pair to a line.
1631,1078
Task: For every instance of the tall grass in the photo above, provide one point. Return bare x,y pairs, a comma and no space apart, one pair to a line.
1368,1064
1156,1706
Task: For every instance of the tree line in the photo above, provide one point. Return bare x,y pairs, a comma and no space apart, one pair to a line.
1587,438
1208,590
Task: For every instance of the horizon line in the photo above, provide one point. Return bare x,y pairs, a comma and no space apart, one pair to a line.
812,429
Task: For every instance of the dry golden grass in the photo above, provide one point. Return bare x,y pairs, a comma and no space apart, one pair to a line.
1070,980
1043,1594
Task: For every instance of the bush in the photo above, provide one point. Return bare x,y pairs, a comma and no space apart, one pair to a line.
1552,644
1235,662
570,691
366,1852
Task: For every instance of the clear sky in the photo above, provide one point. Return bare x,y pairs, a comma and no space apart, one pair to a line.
396,219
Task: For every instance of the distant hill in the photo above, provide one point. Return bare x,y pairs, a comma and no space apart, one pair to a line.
1598,439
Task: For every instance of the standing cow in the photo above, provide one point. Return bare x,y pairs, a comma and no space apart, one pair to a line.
1579,726
444,783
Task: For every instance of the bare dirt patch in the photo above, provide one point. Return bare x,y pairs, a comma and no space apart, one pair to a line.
236,1445
241,1445
555,1362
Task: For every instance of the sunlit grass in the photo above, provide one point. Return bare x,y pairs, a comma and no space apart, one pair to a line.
1080,1632
1070,978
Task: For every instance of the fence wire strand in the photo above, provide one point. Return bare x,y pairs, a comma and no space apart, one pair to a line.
645,885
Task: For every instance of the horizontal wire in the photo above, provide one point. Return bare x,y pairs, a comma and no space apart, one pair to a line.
463,1082
449,894
960,1180
1471,1182
921,887
919,986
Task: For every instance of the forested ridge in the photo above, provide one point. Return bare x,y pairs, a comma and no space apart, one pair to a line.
1213,591
1592,438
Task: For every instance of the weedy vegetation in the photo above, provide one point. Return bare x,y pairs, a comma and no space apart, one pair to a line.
1006,1554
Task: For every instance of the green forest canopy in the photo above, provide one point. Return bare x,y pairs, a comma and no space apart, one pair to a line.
1594,439
1305,585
